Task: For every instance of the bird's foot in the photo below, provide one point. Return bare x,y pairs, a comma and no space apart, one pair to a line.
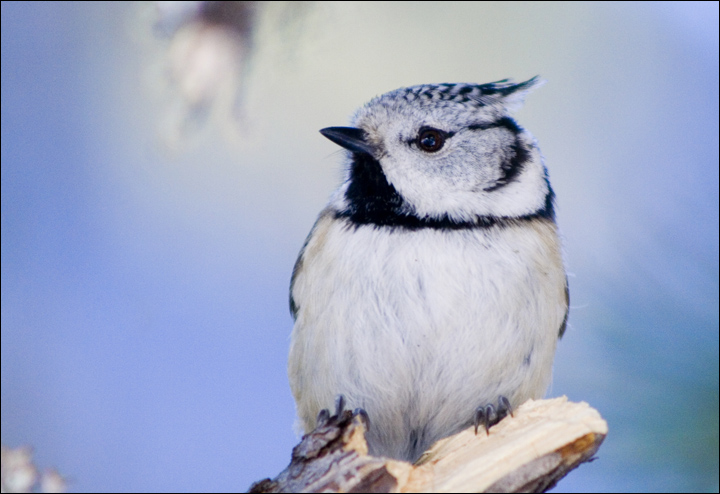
324,417
489,415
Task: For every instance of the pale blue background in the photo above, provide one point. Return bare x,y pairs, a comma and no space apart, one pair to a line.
145,319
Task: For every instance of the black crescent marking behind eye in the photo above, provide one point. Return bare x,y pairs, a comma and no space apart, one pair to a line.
431,140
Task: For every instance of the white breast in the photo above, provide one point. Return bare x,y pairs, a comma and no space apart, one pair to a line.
421,327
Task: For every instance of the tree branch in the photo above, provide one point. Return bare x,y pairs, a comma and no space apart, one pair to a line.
529,452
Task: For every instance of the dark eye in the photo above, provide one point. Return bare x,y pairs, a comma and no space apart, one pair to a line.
431,140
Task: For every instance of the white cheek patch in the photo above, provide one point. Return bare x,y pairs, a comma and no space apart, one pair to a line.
464,189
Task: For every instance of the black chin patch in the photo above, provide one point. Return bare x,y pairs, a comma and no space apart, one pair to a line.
371,198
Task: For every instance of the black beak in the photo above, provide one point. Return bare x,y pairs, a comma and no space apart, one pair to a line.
350,138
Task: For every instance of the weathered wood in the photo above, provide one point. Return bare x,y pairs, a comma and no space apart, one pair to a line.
529,452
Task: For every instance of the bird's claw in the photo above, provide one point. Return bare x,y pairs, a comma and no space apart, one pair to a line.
488,415
324,417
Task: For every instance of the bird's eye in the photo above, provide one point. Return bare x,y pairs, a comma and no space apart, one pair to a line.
431,140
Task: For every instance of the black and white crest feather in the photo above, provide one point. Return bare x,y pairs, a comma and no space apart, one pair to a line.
476,95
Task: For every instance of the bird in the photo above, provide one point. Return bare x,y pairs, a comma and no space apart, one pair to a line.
431,291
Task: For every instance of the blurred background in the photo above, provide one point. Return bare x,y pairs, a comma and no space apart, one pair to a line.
161,167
